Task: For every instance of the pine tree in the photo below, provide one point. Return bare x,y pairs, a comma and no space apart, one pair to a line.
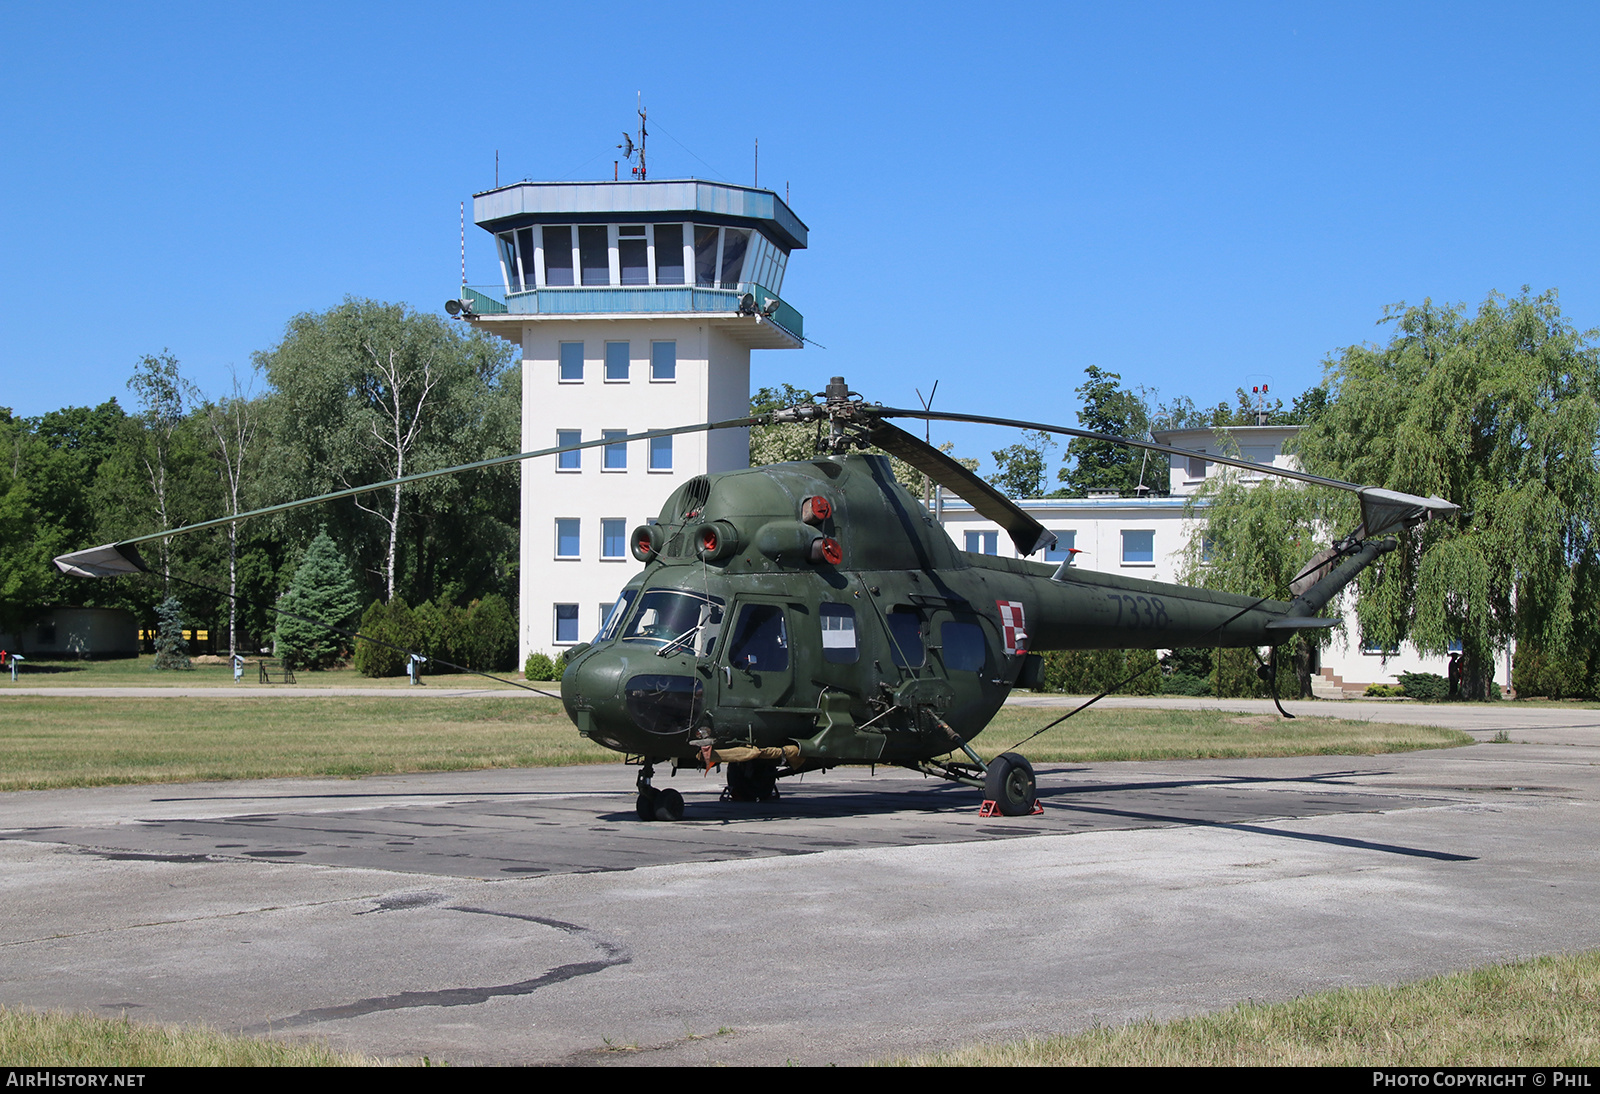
172,652
322,590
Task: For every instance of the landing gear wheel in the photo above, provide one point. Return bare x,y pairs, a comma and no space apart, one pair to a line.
1010,784
645,807
669,805
752,781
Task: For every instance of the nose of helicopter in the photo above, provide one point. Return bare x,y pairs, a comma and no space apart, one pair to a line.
630,704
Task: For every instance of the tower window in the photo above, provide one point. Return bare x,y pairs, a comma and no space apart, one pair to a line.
616,362
613,538
595,253
569,461
669,254
616,454
567,529
558,256
633,255
661,453
572,362
663,361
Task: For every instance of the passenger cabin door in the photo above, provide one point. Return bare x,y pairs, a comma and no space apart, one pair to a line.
757,666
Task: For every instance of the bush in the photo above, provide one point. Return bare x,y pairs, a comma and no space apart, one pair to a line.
1425,685
1384,691
322,595
539,667
172,652
395,625
1183,683
492,627
1090,672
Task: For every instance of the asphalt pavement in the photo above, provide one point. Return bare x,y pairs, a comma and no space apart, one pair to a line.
525,916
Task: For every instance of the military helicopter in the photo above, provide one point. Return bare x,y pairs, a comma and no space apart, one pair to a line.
801,616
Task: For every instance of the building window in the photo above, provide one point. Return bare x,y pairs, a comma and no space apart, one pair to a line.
983,543
594,253
616,362
1062,551
566,623
567,537
669,254
572,362
558,256
569,461
661,453
633,255
616,454
663,360
613,538
1197,466
1139,548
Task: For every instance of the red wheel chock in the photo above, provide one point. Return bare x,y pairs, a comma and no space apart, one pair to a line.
990,809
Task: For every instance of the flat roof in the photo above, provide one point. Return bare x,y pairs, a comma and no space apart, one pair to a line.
523,203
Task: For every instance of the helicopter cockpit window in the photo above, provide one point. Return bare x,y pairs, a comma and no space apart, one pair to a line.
905,633
613,620
839,634
961,646
676,621
760,640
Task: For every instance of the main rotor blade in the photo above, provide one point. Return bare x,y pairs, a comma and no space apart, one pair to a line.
1028,534
1381,510
104,561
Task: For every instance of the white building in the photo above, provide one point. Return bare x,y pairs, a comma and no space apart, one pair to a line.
636,305
1147,537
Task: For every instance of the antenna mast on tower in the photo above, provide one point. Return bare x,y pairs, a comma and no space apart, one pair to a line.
629,148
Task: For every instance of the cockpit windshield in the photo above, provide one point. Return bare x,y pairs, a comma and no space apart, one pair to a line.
676,621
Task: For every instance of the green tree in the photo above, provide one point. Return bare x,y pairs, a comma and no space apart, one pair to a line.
172,651
1255,539
1497,411
371,391
323,592
1021,468
1110,408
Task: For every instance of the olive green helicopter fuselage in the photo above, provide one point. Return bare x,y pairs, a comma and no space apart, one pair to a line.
818,605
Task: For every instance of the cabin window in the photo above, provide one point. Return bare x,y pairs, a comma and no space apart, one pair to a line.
839,634
760,641
905,639
612,615
962,646
735,241
706,239
680,620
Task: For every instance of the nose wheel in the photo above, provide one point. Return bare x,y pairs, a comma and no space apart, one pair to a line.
653,804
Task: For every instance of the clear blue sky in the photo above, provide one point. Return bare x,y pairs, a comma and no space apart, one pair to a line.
1195,196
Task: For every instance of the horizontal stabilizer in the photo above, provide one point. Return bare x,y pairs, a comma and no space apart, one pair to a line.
1301,623
107,561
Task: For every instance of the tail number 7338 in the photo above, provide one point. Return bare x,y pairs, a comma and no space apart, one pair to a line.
1139,611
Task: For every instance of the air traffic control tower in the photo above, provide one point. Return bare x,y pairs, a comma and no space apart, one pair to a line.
636,305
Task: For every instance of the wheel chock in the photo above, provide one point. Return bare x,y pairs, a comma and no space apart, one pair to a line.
992,809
